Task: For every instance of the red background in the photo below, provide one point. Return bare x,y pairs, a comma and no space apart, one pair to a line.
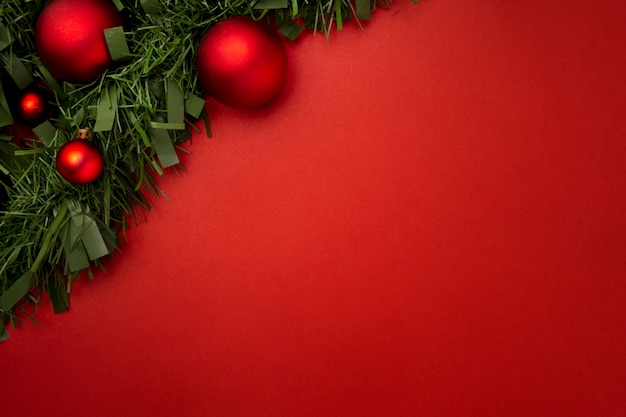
430,220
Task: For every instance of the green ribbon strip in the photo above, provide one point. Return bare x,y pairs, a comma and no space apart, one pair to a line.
108,235
271,4
8,156
75,253
6,118
194,106
163,125
58,294
92,239
87,230
85,238
22,75
17,291
290,29
5,37
119,5
106,110
175,103
116,41
163,147
46,132
4,334
151,6
363,9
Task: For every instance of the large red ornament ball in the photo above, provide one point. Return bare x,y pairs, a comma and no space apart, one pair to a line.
241,62
79,161
69,38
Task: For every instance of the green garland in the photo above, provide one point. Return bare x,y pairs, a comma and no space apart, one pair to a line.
53,231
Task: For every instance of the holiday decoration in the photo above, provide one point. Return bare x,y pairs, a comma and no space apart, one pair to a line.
138,110
31,107
79,161
242,62
69,37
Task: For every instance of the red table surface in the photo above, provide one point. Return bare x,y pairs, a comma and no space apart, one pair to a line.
430,220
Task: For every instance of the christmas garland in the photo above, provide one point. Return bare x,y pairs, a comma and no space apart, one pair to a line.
57,224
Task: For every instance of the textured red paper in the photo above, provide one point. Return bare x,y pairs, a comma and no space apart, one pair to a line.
430,220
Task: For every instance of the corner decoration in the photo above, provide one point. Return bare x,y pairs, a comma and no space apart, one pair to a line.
95,96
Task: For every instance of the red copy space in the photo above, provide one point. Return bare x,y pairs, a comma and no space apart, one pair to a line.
428,221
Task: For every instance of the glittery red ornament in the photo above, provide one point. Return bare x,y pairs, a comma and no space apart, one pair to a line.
69,38
241,62
79,161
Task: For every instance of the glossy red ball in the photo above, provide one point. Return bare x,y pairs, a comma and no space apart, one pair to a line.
79,161
241,62
31,106
69,38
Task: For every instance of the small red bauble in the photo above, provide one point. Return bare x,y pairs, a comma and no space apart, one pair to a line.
241,62
31,106
79,161
69,38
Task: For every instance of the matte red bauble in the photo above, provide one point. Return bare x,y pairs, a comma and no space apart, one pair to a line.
79,161
241,62
69,38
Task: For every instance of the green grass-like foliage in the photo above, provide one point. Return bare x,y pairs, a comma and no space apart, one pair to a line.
52,231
